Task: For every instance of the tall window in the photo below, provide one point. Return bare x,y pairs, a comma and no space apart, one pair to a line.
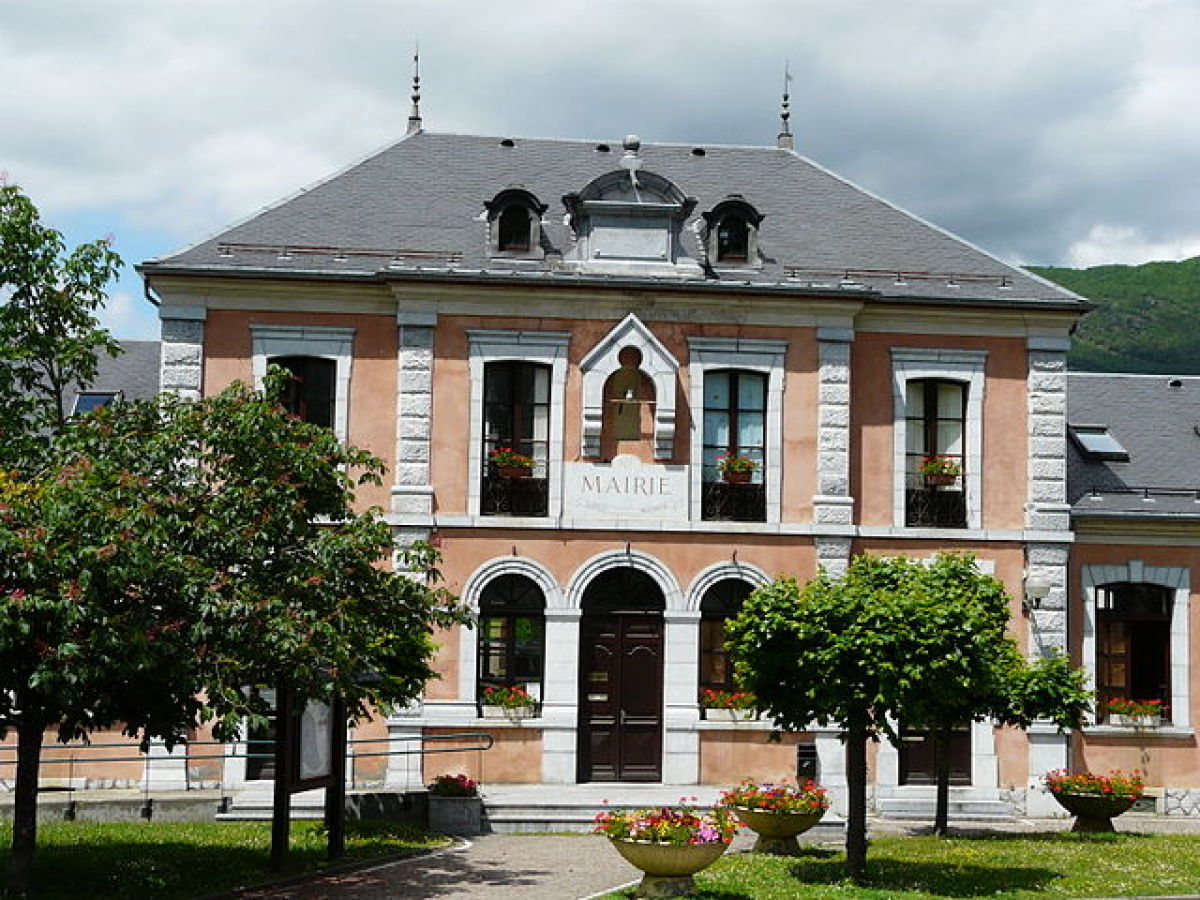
935,420
512,635
735,412
720,602
516,416
310,394
1133,643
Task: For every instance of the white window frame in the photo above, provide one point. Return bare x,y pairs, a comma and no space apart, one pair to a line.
1175,578
336,344
964,366
761,356
548,348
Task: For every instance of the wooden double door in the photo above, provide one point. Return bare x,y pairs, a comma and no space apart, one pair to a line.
918,756
621,685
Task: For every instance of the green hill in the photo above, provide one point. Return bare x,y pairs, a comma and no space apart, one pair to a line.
1147,318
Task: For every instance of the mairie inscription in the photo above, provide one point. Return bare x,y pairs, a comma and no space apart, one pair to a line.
626,488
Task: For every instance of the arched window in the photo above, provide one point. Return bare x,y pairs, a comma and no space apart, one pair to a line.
733,239
513,228
720,602
514,223
512,635
311,394
1133,644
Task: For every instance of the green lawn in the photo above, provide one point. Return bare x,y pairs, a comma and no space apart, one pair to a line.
188,859
1028,866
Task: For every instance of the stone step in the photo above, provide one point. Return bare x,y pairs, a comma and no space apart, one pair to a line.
924,808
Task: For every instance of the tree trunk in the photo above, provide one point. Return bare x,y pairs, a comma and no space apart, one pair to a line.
24,837
856,817
941,762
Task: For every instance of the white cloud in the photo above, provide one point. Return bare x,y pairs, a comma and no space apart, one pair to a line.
1114,244
1020,125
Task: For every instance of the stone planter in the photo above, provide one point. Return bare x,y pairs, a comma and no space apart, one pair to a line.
512,713
725,714
777,831
1094,812
459,816
1134,721
668,868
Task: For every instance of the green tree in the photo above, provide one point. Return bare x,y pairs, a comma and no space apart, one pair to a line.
170,554
893,640
966,667
49,334
832,651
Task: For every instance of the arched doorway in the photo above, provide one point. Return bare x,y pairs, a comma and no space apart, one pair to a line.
621,678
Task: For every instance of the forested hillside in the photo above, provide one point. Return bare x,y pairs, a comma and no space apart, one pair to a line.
1147,318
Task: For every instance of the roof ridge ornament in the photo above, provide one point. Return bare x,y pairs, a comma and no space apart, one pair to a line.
414,116
631,162
785,140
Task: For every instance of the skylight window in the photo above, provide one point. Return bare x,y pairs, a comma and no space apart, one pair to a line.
86,401
1096,443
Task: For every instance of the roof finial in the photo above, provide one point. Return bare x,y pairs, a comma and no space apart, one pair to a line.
786,141
414,117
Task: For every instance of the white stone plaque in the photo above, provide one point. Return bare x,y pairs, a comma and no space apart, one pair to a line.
316,740
626,488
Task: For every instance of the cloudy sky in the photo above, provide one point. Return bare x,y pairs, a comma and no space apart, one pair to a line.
1047,131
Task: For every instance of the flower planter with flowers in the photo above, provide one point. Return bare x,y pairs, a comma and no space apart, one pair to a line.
504,702
728,706
736,469
455,807
1136,713
669,844
1094,800
511,464
939,471
778,813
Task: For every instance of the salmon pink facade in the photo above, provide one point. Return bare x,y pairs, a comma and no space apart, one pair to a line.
625,321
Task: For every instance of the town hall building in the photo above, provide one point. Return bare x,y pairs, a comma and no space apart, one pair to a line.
628,317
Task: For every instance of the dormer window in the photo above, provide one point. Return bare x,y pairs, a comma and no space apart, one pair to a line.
732,238
514,224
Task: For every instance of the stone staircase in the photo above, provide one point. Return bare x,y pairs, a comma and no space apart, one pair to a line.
918,803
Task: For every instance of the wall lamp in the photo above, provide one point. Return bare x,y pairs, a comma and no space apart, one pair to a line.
1037,589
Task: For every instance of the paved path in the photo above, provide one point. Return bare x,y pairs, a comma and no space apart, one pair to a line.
563,867
495,867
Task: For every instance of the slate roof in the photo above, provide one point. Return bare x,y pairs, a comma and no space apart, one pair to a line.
134,373
425,196
1156,419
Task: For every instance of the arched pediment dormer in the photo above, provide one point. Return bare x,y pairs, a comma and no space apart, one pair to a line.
656,363
629,222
